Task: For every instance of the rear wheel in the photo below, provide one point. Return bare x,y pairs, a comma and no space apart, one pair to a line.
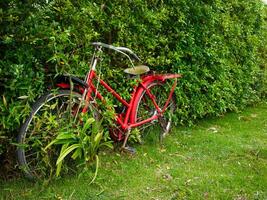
51,114
146,109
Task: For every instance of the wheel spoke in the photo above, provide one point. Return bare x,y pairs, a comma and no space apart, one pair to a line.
28,155
53,113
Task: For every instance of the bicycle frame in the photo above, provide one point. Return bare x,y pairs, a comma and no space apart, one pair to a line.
124,123
127,121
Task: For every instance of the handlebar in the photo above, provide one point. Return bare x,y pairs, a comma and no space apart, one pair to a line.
122,50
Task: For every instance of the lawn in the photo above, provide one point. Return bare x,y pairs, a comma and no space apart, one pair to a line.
218,158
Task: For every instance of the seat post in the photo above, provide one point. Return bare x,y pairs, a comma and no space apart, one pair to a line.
94,64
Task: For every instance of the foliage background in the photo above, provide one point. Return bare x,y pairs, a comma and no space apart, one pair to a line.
219,47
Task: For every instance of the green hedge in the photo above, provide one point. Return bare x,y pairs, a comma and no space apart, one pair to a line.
218,46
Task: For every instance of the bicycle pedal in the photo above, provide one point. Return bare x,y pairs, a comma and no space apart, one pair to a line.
129,149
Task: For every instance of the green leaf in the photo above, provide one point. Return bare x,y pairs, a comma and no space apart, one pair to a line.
59,165
107,144
50,144
97,140
67,151
98,137
87,124
77,153
65,141
96,170
65,135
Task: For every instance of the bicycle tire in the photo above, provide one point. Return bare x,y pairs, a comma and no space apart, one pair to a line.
28,141
146,109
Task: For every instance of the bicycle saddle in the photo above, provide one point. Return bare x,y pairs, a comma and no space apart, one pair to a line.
137,70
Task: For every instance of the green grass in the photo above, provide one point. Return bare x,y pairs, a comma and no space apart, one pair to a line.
221,158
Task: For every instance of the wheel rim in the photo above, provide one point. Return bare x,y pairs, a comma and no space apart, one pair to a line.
146,109
49,119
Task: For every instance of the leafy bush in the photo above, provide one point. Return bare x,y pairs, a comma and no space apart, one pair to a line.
218,46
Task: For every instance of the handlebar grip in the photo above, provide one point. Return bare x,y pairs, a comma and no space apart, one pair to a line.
122,50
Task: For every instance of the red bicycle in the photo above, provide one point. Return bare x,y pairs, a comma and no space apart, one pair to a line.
151,101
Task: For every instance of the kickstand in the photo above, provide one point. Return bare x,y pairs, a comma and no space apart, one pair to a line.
161,139
127,148
126,139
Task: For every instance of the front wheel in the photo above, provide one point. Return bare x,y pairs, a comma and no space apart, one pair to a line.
51,114
145,109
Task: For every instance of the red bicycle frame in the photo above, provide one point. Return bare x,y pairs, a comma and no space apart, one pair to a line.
128,120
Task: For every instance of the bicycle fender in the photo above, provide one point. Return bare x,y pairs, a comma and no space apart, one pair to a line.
158,78
65,81
146,81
